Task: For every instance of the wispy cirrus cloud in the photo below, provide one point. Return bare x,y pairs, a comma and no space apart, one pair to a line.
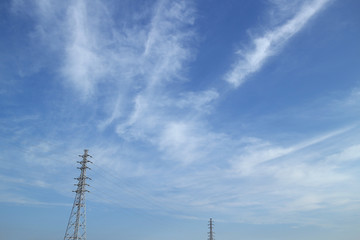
252,58
284,181
167,155
351,153
128,71
263,152
84,65
21,200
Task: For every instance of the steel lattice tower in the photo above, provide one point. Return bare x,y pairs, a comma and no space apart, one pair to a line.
76,228
211,227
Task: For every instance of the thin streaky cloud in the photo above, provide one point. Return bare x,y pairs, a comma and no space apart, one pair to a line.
174,150
163,48
15,199
264,152
83,66
251,59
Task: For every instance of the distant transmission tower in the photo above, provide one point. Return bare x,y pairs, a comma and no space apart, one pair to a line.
211,227
76,228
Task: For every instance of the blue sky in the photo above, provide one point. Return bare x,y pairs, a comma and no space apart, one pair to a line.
243,111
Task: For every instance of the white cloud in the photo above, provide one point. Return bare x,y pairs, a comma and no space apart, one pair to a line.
167,42
150,57
351,153
187,142
262,152
86,61
170,157
35,183
251,59
285,182
173,125
17,199
199,101
312,175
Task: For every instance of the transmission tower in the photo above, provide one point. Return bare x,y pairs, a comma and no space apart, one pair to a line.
211,227
76,228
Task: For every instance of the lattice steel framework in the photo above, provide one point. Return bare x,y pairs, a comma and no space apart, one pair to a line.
211,233
76,228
